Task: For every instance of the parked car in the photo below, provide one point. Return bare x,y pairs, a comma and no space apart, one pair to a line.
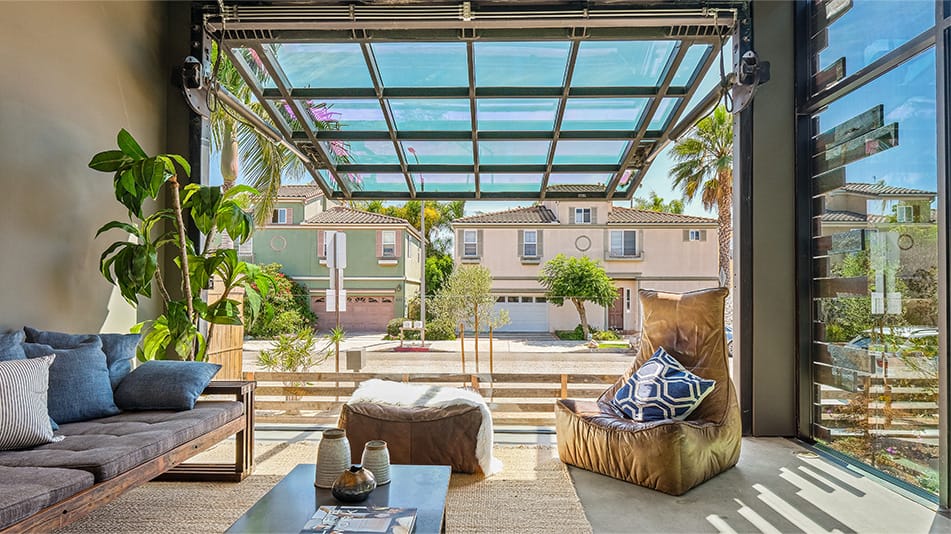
911,347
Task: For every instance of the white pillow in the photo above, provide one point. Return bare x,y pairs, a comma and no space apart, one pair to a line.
24,419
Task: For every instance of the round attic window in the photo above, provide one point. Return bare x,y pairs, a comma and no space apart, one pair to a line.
583,243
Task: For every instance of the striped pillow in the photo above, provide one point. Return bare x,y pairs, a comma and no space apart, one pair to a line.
24,420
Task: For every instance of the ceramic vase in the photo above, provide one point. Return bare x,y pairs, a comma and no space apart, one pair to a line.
333,457
353,485
376,459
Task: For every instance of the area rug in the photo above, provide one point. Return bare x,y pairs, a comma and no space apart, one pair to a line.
532,494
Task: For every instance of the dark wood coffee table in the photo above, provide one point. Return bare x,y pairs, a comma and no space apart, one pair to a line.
294,499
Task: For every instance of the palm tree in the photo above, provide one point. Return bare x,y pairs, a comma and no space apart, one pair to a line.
705,165
246,151
656,203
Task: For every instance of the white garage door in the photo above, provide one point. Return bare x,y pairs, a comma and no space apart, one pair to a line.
526,314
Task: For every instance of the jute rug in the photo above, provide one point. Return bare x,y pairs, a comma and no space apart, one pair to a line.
532,494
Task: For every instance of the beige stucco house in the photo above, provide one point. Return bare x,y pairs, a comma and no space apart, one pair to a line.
639,249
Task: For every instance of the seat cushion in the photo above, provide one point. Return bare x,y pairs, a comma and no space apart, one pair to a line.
27,490
112,445
119,348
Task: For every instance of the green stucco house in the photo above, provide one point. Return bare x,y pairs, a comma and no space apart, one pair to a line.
383,256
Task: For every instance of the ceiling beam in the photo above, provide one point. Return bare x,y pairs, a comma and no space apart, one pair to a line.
463,135
330,93
559,116
474,116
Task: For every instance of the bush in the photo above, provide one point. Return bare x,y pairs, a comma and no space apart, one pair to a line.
289,307
393,327
606,335
440,330
577,334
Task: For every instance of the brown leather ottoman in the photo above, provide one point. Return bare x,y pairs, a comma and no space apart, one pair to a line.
416,435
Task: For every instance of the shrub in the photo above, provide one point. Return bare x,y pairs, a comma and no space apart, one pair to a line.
290,307
440,330
393,327
574,335
606,335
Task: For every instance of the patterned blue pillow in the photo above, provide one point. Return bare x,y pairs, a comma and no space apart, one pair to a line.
662,389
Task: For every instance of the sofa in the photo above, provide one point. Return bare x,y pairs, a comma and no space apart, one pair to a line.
91,462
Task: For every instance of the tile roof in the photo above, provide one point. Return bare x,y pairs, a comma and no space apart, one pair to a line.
833,216
304,191
883,190
576,188
342,215
529,215
620,215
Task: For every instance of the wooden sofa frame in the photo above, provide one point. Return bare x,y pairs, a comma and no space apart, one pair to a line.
168,466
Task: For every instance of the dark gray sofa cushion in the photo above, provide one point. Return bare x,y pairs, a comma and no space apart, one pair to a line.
27,490
79,388
112,445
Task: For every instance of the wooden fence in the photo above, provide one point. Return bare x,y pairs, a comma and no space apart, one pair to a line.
523,399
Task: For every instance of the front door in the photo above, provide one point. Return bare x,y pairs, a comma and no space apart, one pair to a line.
616,314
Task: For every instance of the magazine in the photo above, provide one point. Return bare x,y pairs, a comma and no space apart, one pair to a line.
361,520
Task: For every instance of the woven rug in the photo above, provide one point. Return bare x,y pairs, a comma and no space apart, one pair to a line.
533,493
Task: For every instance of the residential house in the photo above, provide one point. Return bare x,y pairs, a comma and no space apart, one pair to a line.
383,257
639,249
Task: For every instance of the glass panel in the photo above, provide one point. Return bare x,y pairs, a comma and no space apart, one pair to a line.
323,65
504,183
557,178
369,181
422,64
255,65
431,114
621,63
353,181
593,152
513,152
662,115
370,152
440,182
516,113
689,65
520,64
848,36
603,113
351,115
438,152
875,357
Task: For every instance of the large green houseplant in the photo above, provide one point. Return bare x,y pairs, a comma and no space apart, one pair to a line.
133,264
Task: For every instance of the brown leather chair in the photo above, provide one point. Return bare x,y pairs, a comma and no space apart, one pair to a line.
668,456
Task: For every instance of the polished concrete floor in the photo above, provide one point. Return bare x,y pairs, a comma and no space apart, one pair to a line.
778,486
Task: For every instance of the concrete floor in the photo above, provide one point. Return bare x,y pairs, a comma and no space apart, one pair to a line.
777,487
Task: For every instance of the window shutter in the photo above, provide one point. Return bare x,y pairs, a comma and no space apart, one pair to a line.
594,215
290,215
686,235
379,243
321,238
479,240
521,243
538,247
703,235
398,248
459,238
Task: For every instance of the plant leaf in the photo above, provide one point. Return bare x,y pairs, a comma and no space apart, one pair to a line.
109,161
129,146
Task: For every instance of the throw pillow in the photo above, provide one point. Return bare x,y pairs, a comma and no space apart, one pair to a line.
23,418
662,389
165,385
79,381
119,348
10,346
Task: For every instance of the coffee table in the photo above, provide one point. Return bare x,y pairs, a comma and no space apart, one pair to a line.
294,499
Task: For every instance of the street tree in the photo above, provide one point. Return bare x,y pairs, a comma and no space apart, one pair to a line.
578,279
466,297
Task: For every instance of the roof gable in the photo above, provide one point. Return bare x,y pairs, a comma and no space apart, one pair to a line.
531,215
621,215
343,215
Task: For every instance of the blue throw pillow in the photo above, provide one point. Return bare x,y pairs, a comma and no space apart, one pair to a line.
119,348
11,346
79,381
165,385
662,389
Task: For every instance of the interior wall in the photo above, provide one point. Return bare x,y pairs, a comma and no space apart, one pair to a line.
773,227
74,73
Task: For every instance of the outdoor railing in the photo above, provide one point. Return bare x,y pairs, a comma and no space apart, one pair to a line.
522,399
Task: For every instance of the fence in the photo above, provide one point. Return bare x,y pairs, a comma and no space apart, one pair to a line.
522,399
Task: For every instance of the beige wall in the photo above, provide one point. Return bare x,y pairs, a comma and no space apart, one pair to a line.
73,75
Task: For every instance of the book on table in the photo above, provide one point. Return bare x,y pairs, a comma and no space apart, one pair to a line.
361,520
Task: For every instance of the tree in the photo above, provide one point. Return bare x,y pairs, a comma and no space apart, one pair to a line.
438,270
439,217
465,296
262,163
705,165
656,203
578,279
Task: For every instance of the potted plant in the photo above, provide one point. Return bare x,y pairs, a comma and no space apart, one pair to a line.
133,264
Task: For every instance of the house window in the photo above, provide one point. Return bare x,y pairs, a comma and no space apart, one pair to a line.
623,243
323,253
582,215
627,299
693,235
530,243
389,243
905,214
279,216
470,243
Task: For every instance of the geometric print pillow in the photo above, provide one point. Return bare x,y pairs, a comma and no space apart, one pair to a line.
662,389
